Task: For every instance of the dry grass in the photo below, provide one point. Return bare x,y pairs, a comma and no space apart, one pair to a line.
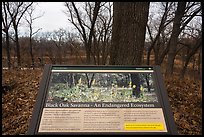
185,97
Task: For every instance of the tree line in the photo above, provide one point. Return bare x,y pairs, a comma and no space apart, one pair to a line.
111,33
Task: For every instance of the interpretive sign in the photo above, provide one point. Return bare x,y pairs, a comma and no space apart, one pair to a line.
102,100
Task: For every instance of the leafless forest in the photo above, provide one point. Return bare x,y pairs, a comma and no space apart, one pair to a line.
168,34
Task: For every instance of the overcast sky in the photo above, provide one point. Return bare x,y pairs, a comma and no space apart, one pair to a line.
53,18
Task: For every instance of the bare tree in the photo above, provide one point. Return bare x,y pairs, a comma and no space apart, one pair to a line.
182,18
41,43
175,34
49,47
85,29
6,21
160,37
58,38
16,11
102,34
30,19
193,48
164,40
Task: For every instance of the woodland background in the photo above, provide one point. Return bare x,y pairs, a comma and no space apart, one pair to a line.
106,35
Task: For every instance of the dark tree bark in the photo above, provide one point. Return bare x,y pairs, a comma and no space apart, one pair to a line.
147,77
31,52
6,25
30,19
17,45
81,26
89,80
135,82
19,8
71,80
178,25
174,37
57,39
190,55
155,42
128,36
8,50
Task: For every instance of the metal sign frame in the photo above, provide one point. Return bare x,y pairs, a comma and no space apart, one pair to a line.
159,85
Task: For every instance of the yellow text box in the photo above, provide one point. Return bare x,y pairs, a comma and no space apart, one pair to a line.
143,126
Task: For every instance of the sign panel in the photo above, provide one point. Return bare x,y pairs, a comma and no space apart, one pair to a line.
102,99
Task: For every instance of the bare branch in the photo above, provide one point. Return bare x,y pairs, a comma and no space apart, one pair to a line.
36,31
190,18
79,21
23,12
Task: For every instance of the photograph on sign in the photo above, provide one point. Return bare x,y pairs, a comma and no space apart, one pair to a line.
101,87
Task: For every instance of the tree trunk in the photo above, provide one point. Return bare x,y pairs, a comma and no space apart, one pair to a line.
192,53
89,80
194,60
183,56
199,62
149,54
174,37
88,54
71,80
128,36
135,85
60,54
17,46
147,77
183,71
41,58
104,56
8,50
156,52
31,52
89,44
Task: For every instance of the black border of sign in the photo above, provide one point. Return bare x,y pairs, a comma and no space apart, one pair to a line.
159,84
165,100
37,110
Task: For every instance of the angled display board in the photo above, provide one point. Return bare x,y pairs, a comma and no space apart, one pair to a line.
102,100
